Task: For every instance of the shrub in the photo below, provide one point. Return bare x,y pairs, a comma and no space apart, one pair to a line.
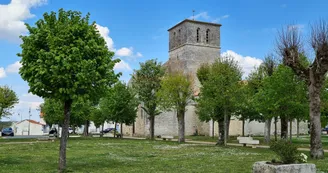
287,152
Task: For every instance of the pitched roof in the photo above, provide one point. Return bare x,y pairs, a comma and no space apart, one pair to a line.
32,121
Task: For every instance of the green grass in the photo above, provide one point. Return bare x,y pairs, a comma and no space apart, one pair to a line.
122,155
302,141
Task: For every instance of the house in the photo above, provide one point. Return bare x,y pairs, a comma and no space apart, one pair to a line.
29,127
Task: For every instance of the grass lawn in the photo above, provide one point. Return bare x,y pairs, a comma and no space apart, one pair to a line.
302,141
123,155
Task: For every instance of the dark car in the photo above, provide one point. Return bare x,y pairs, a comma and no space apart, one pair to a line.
7,132
107,130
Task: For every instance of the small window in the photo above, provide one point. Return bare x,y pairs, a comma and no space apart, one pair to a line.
174,34
198,29
207,35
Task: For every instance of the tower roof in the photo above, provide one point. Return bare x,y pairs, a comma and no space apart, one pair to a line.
194,21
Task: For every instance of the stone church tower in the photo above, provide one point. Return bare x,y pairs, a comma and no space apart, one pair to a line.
192,43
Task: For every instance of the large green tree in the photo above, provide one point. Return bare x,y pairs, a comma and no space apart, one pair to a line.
175,94
289,45
274,97
146,82
219,93
119,105
64,58
8,99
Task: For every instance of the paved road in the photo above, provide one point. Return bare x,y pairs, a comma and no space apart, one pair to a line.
24,137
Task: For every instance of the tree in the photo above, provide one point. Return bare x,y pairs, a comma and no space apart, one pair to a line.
119,105
81,112
64,58
246,109
268,67
274,97
8,99
175,94
289,46
146,82
219,93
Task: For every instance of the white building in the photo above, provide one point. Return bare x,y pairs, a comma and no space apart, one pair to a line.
29,127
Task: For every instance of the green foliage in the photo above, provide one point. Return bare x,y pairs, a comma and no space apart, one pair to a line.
64,57
119,104
54,110
287,152
146,82
220,89
97,117
282,94
324,104
8,99
175,92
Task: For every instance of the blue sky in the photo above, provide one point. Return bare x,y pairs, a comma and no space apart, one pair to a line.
137,30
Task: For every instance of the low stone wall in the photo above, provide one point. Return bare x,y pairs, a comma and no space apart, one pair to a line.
263,167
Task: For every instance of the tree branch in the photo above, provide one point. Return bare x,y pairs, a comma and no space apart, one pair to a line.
319,42
289,47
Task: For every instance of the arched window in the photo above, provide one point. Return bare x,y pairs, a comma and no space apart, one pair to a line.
198,29
207,35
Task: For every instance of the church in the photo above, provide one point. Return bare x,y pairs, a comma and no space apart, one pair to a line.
192,43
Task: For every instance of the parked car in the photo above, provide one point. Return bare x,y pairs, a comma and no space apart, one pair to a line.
107,130
53,132
7,132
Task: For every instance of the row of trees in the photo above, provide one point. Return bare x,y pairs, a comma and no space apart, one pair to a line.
67,62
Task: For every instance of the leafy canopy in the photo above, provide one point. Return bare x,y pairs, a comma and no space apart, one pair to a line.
175,92
146,82
220,88
119,104
64,57
8,99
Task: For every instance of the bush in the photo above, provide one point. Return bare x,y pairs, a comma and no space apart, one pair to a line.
287,152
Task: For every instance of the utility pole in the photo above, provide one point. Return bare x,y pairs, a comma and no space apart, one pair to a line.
29,119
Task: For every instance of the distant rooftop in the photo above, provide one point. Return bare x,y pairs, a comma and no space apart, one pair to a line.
194,21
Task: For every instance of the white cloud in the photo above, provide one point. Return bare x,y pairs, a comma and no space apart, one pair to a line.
29,101
122,66
297,27
206,17
2,72
14,68
247,63
202,15
124,51
220,18
139,54
104,32
13,15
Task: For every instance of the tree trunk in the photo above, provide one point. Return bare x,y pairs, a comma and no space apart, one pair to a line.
213,128
225,127
181,121
228,127
115,129
74,129
221,132
267,131
275,128
284,127
152,127
243,130
64,136
315,125
102,129
290,130
298,128
86,128
121,130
